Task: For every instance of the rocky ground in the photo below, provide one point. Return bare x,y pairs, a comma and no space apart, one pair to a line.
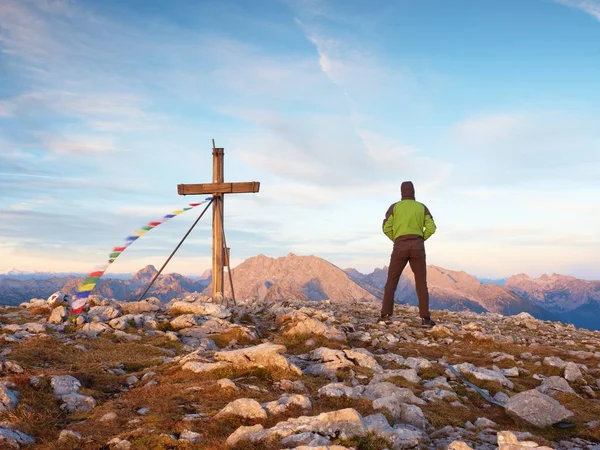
192,374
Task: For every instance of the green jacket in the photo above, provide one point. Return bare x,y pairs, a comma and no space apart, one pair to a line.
408,218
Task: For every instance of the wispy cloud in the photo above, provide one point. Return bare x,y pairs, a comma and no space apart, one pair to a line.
591,7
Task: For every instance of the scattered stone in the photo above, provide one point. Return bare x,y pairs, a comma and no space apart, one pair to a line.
555,385
310,326
483,422
58,315
484,374
108,417
143,411
8,399
77,402
572,372
68,436
119,444
287,401
226,383
363,358
259,356
554,361
64,385
540,410
246,408
202,308
191,436
14,438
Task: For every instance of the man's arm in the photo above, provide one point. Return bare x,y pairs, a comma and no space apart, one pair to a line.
429,225
388,223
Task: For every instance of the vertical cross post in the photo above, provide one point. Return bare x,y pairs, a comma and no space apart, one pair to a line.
217,229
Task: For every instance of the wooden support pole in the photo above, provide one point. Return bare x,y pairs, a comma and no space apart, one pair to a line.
218,225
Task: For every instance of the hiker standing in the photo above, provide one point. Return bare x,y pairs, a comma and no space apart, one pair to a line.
408,224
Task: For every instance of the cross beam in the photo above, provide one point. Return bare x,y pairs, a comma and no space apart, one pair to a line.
218,188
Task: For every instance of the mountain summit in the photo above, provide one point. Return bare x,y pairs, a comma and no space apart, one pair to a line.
293,276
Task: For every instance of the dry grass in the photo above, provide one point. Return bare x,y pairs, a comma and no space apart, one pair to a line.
234,334
368,442
296,344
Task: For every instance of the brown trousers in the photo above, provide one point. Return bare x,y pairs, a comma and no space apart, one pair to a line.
411,251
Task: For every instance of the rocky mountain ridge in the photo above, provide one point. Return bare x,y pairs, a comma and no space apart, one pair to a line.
291,374
311,278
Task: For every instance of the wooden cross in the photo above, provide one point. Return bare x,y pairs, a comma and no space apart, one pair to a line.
218,188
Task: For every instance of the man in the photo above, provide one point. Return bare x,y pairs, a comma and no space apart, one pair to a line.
408,224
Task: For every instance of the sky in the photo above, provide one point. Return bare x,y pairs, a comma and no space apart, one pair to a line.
491,108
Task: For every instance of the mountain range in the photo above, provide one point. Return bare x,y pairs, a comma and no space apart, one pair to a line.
549,297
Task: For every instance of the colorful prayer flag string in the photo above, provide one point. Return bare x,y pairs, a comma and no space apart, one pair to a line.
88,285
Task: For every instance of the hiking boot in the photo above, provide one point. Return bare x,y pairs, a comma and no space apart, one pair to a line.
387,319
427,322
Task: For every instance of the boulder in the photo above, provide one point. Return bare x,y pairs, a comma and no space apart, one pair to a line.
572,372
310,327
186,321
8,399
540,410
14,438
58,315
555,385
402,412
244,408
363,358
340,390
484,374
77,402
64,385
201,367
287,401
145,306
259,356
202,308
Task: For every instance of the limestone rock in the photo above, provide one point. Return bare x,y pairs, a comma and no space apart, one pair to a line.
58,315
68,436
200,367
555,385
245,408
64,385
459,445
77,402
554,361
103,313
363,358
226,383
147,305
540,410
119,444
287,401
259,356
340,390
402,412
484,374
408,374
253,434
186,321
572,372
14,438
190,436
202,308
309,326
8,399
387,389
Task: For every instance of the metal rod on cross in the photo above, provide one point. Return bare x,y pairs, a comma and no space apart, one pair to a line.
174,251
218,188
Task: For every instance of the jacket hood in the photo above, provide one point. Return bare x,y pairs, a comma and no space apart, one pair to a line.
407,189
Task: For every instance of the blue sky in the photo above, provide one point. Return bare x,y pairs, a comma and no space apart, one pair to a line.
490,107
